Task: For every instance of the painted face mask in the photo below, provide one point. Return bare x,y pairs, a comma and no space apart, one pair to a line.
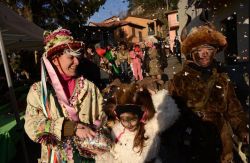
203,55
129,121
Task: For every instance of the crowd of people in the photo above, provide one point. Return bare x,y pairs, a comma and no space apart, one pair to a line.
129,62
134,118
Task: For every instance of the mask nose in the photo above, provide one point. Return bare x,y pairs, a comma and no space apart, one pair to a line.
204,53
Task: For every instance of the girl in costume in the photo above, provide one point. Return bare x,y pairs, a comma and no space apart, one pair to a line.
140,118
136,57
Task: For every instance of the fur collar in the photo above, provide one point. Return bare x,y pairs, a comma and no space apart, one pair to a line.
167,111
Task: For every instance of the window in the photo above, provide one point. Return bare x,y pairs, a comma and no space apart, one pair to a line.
133,31
140,36
151,30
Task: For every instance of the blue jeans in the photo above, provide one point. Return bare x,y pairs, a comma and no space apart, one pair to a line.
124,67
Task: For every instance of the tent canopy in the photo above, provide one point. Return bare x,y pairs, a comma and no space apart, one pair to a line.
17,32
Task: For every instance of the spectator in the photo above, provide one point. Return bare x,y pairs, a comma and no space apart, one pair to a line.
89,66
136,57
177,49
122,60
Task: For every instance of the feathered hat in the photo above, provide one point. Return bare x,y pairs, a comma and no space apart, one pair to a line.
59,40
205,34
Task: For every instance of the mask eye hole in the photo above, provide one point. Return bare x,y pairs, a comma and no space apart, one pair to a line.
127,121
201,50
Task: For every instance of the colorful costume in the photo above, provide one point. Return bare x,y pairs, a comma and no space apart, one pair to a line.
108,55
55,101
136,60
123,152
48,131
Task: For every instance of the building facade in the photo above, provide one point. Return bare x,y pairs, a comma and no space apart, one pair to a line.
229,17
146,30
232,19
173,26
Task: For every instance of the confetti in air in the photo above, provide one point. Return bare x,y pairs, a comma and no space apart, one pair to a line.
186,73
219,87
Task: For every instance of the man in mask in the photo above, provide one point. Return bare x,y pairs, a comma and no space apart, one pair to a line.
209,95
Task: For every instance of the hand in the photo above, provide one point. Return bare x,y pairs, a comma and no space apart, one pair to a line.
97,152
83,131
152,92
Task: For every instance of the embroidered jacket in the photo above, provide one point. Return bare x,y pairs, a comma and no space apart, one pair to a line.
86,99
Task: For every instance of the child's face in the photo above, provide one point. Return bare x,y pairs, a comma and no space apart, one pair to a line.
129,121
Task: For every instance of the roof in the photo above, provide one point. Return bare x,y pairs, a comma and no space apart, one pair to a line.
17,32
111,18
150,20
170,12
114,24
137,17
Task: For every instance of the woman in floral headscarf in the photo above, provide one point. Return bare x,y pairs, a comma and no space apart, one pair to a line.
62,106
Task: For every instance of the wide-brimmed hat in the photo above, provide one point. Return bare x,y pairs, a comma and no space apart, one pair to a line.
203,35
59,40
